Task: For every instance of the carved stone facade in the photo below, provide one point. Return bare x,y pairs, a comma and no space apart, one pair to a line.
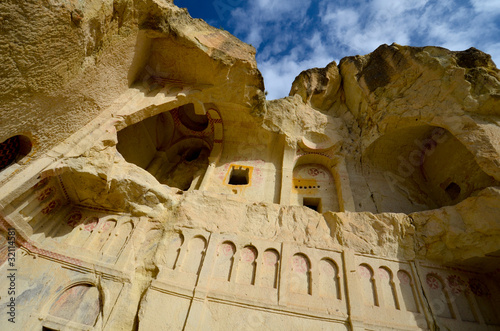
147,184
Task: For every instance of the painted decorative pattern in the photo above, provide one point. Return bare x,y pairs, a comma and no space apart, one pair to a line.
74,219
41,183
51,207
299,264
364,271
456,284
90,224
433,282
46,193
403,277
248,254
479,288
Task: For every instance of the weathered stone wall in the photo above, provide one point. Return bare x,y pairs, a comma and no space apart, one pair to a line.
148,184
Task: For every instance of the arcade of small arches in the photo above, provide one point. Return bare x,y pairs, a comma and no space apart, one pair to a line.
406,170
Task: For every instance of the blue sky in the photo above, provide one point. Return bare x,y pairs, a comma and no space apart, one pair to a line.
294,35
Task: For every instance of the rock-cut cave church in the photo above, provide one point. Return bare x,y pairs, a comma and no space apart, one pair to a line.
147,184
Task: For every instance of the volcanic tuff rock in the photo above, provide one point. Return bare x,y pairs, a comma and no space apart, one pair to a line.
146,176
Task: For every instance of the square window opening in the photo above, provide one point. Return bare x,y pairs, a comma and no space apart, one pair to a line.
239,176
313,203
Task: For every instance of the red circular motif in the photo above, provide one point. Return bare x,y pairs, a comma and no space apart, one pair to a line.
299,264
74,219
227,249
364,271
478,288
383,274
457,284
45,194
270,258
50,207
90,224
433,282
107,226
248,254
313,172
41,183
403,277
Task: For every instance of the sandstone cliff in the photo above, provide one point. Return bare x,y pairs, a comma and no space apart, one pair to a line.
145,170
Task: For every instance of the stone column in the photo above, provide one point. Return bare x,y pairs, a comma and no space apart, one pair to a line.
346,200
287,174
353,290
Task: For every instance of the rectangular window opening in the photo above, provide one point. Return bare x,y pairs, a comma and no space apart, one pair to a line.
313,203
239,176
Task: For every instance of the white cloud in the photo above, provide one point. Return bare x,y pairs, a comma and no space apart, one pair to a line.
494,51
277,7
342,19
389,8
280,72
254,37
290,40
262,19
489,6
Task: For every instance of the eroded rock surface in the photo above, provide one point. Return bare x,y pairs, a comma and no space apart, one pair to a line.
145,177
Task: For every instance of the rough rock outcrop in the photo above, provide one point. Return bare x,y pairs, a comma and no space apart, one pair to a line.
145,177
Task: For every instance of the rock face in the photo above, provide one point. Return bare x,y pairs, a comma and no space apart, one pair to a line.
147,184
